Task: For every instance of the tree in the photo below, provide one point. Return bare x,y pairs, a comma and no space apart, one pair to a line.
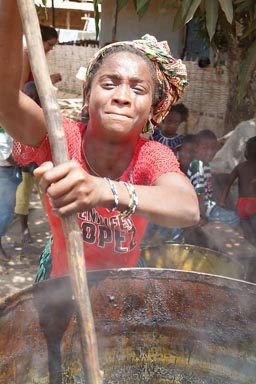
229,26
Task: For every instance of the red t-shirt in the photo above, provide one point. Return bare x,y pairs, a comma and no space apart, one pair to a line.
110,241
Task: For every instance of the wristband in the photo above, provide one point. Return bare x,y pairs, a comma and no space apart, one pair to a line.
115,194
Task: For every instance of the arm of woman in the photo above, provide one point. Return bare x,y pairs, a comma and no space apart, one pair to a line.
171,201
26,69
20,116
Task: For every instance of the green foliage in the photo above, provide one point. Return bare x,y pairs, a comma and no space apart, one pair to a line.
211,11
216,20
245,14
188,9
227,8
247,67
41,5
141,7
121,4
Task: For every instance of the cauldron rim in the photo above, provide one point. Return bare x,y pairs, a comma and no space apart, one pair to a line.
99,274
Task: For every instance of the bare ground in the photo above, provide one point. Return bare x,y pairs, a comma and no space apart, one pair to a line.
20,271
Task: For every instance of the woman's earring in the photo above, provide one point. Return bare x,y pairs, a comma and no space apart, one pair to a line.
148,128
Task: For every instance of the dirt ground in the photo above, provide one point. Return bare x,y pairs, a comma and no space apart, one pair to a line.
21,269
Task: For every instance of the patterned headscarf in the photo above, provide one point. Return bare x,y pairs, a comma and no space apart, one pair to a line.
171,73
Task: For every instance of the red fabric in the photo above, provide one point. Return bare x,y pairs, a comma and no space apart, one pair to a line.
30,77
109,241
246,207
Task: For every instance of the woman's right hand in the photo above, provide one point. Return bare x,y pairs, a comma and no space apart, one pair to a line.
70,188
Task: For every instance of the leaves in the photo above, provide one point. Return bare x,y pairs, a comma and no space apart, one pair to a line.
211,9
188,9
142,6
121,4
39,5
246,69
227,8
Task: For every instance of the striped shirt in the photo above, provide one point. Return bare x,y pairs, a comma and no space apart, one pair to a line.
172,142
200,176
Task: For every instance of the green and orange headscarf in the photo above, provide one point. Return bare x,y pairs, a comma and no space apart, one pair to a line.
171,73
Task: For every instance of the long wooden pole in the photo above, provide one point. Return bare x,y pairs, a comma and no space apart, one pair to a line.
60,154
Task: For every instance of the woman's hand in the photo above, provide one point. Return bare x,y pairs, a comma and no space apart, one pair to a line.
70,189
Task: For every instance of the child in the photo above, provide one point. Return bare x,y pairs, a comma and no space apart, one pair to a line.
167,134
156,233
167,131
186,152
199,173
245,172
10,177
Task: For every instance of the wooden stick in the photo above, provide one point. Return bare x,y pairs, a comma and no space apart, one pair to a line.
59,150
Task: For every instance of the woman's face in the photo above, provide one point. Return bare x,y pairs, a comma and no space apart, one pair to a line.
120,98
49,44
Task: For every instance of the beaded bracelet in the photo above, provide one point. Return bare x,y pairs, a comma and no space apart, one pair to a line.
115,194
133,200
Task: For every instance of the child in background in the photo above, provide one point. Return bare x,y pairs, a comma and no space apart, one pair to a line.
167,130
199,173
167,134
186,152
10,177
245,172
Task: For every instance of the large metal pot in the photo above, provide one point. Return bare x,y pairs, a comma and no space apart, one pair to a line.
153,326
189,257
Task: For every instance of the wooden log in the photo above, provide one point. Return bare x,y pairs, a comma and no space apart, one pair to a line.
59,150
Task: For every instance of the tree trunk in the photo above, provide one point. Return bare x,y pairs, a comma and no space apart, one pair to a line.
237,112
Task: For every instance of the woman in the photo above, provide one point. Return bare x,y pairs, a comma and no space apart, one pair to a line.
116,181
49,39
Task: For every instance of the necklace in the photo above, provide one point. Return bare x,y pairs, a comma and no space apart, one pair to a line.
91,169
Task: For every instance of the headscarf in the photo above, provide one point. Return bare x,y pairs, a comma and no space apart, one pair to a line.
171,73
